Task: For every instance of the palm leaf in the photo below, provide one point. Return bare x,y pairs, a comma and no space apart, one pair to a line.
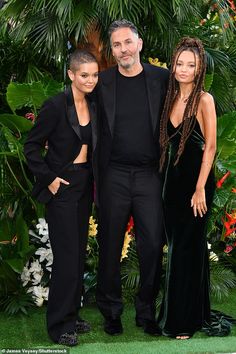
219,58
222,280
84,19
208,81
16,302
220,89
130,270
49,34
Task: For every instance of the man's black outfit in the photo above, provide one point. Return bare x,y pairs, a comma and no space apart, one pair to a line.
129,184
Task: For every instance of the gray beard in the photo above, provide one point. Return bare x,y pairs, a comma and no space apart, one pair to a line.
126,66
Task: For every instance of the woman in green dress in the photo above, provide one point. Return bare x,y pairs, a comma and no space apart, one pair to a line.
188,143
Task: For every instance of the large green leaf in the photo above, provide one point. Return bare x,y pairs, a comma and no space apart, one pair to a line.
226,126
27,252
230,164
16,264
225,148
221,197
9,277
12,142
53,87
5,230
226,141
25,95
22,232
15,122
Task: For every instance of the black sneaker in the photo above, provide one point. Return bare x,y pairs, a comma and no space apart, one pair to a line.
69,339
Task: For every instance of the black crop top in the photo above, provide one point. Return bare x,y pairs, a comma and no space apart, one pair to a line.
86,133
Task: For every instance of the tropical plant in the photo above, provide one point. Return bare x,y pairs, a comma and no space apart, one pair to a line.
221,231
36,38
49,25
18,209
51,29
91,266
15,179
222,278
15,250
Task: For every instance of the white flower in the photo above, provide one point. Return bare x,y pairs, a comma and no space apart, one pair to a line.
44,239
208,245
39,301
30,290
37,278
213,257
42,227
35,267
45,253
32,233
25,275
39,294
42,260
49,260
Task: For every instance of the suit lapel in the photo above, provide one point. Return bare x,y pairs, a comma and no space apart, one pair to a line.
73,118
93,116
71,112
153,92
108,89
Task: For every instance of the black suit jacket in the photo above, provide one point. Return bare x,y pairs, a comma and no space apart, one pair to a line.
156,84
58,125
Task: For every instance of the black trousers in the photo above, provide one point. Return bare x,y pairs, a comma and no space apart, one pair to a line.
129,191
67,215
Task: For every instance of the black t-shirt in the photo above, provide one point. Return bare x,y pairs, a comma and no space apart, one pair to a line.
133,141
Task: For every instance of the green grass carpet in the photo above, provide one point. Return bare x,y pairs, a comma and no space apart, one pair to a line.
30,332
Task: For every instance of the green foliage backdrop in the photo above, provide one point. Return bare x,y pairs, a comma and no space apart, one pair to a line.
36,38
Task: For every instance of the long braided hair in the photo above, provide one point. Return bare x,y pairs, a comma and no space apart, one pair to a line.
195,46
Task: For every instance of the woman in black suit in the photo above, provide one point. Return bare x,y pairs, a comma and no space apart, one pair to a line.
67,122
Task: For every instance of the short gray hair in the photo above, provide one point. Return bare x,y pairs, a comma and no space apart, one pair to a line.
114,26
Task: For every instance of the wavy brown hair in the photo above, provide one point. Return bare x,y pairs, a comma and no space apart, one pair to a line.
195,46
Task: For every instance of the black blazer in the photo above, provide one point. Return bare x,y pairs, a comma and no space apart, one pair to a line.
58,125
156,83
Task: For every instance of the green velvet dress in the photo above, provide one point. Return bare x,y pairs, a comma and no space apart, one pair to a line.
186,305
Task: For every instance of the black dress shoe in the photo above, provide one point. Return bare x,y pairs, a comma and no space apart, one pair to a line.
68,339
152,328
82,326
140,322
113,326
